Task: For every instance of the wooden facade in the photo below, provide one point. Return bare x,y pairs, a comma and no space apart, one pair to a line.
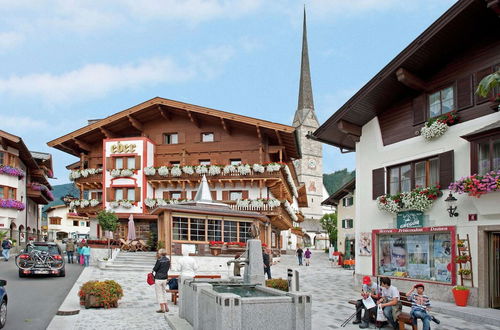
167,133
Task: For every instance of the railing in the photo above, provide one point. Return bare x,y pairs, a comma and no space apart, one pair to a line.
90,209
91,178
278,214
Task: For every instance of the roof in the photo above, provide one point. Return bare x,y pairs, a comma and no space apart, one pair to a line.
494,127
127,123
312,225
16,142
466,22
346,189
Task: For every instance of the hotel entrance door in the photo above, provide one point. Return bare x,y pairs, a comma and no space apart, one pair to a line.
494,261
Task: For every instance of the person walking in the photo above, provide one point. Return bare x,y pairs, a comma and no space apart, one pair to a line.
6,246
81,259
266,256
160,270
308,254
70,250
86,255
300,252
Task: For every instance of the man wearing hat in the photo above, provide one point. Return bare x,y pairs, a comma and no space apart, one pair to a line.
370,289
420,305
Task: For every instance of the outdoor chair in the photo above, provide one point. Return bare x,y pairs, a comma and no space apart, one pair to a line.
134,246
144,246
124,245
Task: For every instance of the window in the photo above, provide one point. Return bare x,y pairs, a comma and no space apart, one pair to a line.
83,223
245,231
88,224
75,223
125,193
204,161
124,162
441,102
230,231
348,201
175,163
96,195
118,162
175,195
348,223
2,191
235,195
8,192
214,230
55,220
488,155
11,193
236,161
420,173
171,138
207,137
180,228
8,159
424,256
131,194
197,227
119,194
2,158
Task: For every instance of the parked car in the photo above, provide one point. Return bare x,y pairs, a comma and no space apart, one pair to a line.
41,258
3,303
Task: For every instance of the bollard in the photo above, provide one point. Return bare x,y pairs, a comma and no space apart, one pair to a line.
290,277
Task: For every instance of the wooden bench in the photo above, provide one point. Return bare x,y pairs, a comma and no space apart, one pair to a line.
175,293
403,318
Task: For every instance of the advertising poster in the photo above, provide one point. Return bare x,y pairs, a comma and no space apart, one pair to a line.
442,257
418,257
365,244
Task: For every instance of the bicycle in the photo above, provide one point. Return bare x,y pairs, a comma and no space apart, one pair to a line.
39,259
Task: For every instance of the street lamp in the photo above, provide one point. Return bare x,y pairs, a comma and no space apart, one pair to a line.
452,205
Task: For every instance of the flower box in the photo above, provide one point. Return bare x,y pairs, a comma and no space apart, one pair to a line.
215,250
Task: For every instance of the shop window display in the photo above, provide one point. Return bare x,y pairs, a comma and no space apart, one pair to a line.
423,256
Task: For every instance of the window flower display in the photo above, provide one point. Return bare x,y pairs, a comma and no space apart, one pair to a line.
150,170
201,169
228,169
188,169
176,171
150,202
12,171
214,170
419,199
477,185
244,169
76,174
435,127
273,167
258,168
11,204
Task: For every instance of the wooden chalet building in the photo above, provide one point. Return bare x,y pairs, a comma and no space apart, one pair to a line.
154,154
397,158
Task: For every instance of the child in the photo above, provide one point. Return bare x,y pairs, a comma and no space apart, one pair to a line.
420,306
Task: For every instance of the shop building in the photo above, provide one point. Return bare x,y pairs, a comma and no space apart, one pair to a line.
24,187
415,239
63,223
156,153
343,201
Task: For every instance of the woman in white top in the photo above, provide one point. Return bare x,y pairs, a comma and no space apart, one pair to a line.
187,265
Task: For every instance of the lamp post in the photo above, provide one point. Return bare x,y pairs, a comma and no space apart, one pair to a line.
452,205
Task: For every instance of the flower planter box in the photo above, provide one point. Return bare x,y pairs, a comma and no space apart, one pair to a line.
91,301
215,250
487,204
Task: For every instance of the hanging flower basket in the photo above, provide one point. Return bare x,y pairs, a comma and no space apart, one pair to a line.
419,199
436,127
477,185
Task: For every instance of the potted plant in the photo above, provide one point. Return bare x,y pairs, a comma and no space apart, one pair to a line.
461,245
101,263
461,294
461,259
100,294
466,273
277,283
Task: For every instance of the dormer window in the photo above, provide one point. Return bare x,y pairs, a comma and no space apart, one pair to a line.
441,102
207,137
171,138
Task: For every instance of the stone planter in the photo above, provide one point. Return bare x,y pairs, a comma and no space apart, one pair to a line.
91,301
101,264
487,204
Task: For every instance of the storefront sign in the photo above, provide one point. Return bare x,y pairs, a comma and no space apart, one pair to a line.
410,219
123,148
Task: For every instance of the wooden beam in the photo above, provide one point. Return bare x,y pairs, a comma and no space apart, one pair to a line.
135,123
107,133
4,143
164,113
193,119
259,134
280,141
82,145
349,128
225,126
410,80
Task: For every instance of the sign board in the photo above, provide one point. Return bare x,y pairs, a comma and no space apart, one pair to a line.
472,217
410,219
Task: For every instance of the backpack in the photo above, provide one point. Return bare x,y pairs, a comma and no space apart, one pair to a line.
6,244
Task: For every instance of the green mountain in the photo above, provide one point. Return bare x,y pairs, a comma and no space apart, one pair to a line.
59,192
337,179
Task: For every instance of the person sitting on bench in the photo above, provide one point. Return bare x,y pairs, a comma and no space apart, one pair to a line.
390,301
420,306
369,289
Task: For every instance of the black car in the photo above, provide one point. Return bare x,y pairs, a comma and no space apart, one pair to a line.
3,303
41,258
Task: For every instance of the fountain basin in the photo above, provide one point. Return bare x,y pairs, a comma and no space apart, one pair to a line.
226,305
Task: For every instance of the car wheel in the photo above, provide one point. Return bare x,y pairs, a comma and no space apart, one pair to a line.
3,313
62,273
21,274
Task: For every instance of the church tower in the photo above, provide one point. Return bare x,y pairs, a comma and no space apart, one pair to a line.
310,168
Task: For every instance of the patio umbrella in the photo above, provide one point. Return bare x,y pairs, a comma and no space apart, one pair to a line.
131,228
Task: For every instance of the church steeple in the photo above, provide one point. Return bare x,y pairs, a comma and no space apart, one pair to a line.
306,103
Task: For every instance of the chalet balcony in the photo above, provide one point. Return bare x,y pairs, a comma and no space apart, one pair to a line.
89,210
280,183
279,215
297,231
91,181
39,193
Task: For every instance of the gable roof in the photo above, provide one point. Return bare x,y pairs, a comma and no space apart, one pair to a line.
343,191
125,123
466,22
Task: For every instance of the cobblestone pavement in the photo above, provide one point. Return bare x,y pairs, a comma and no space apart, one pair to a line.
331,288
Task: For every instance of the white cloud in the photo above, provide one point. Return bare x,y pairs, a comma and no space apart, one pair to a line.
96,80
21,124
9,40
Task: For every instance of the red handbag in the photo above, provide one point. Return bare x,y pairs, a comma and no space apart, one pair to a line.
150,279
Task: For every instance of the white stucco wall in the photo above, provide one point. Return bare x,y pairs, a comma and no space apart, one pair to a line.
371,154
66,223
345,212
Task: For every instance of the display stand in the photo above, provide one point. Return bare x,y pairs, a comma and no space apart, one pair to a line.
463,246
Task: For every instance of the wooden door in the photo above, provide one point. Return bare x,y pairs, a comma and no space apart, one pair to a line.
494,257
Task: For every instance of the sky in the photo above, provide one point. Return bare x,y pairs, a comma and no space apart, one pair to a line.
64,62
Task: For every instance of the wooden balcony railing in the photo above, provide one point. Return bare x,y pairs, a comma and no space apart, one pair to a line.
92,181
90,210
280,218
37,196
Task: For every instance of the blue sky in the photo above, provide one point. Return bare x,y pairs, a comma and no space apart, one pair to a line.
63,62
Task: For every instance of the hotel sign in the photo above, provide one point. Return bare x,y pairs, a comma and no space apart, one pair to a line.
410,219
123,148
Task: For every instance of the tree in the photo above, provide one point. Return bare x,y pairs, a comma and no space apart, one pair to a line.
329,223
108,222
488,83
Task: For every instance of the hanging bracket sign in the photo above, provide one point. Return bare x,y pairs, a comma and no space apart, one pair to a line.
410,219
